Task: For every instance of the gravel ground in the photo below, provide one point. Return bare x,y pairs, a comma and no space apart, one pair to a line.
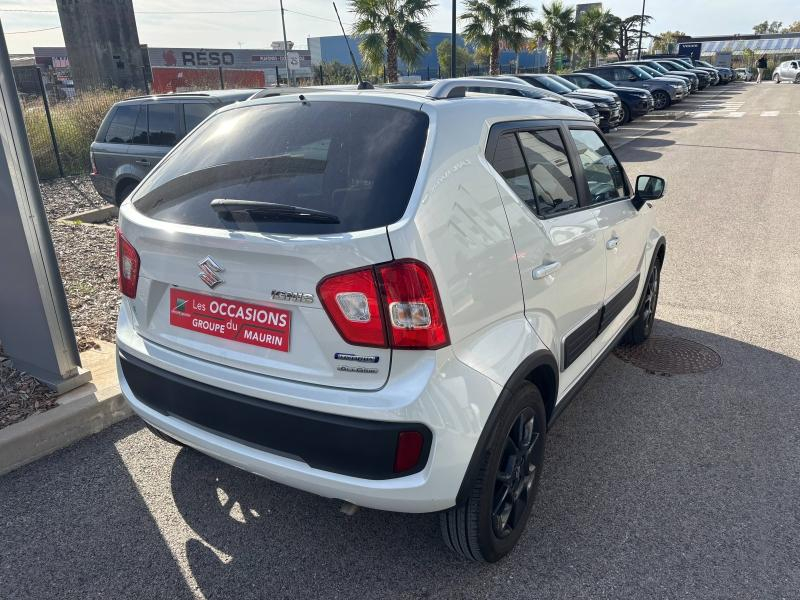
21,395
86,257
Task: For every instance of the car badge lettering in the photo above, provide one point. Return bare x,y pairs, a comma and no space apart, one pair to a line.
208,272
356,357
300,297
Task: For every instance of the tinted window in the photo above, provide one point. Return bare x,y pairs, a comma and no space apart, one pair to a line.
140,129
622,74
603,173
193,114
120,131
509,163
553,185
356,161
162,124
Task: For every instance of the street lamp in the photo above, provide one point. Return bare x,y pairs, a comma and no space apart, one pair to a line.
641,30
453,44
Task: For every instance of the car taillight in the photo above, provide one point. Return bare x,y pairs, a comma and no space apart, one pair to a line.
414,311
128,266
390,305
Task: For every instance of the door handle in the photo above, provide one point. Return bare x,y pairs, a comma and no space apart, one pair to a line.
543,271
143,161
612,243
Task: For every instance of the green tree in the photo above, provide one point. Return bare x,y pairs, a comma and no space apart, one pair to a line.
557,30
662,43
463,57
628,30
775,27
793,28
596,31
492,23
391,29
761,28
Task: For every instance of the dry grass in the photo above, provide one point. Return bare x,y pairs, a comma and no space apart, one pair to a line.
75,123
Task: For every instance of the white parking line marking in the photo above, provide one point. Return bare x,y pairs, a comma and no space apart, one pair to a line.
770,113
735,115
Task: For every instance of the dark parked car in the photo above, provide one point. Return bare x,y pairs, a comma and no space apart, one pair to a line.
726,73
698,80
137,133
609,107
636,102
665,90
686,61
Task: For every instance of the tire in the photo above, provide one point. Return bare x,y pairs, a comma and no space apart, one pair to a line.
487,525
776,78
124,191
643,327
660,100
624,114
797,79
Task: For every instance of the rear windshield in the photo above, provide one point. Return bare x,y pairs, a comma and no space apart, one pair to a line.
307,168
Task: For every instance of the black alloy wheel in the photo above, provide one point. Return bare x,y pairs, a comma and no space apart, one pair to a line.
515,475
624,114
660,100
650,299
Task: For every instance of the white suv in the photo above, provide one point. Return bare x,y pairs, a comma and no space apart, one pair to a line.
384,296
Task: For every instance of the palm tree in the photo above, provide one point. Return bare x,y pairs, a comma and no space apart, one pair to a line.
490,23
391,29
596,32
557,30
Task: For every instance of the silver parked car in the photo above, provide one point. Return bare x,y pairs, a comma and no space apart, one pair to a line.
137,133
788,70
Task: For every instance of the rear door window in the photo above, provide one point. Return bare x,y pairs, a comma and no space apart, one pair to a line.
162,124
510,164
551,173
120,130
353,165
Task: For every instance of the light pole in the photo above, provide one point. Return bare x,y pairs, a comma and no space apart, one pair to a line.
641,30
285,48
453,43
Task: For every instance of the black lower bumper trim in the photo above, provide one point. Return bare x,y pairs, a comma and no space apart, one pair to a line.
345,445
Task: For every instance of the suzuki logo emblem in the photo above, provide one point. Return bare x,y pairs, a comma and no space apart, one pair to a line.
208,272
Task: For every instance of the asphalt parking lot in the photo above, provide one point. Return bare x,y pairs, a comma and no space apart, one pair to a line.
654,487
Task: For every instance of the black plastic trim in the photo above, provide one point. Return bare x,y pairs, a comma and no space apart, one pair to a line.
614,306
334,443
534,361
579,340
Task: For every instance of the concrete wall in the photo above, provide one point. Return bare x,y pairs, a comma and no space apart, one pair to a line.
102,43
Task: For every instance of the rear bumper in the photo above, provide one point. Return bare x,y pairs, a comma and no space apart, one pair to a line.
344,445
254,422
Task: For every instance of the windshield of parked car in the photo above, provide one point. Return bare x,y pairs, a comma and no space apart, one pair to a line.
355,162
657,67
650,71
599,81
565,82
640,72
553,85
678,65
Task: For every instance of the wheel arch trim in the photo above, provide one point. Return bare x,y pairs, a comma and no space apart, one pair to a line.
541,364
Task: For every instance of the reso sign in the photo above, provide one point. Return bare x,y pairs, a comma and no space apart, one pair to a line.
206,59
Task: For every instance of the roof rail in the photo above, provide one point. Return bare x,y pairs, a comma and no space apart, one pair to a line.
457,88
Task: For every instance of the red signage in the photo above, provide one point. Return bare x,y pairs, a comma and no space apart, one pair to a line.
230,319
172,79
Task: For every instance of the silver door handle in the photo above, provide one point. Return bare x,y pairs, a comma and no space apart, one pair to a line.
543,271
612,243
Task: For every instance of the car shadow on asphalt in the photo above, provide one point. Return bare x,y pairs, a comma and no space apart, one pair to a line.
652,483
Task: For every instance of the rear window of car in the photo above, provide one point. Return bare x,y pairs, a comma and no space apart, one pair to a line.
353,163
123,122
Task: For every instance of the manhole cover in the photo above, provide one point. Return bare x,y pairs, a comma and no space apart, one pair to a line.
670,356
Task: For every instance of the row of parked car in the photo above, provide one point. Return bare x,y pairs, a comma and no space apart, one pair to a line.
138,132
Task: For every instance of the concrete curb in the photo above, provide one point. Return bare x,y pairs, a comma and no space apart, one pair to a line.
80,413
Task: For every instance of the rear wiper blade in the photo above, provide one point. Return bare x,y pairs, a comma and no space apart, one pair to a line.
272,211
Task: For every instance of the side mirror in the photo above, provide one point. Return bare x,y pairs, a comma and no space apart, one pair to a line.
648,187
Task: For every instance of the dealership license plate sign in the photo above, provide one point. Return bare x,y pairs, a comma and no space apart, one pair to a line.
230,319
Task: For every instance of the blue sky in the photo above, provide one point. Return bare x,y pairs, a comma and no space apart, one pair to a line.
257,29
